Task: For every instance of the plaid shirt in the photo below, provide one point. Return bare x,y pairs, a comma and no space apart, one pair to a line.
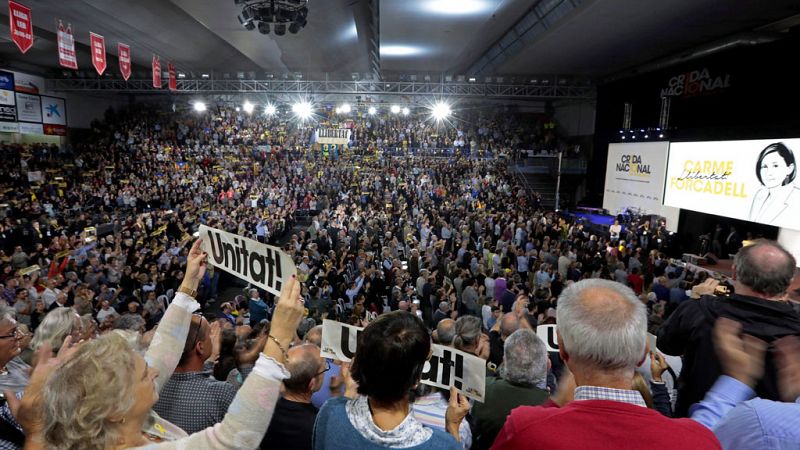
194,401
604,393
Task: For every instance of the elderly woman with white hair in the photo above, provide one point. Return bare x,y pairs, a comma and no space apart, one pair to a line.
56,326
101,398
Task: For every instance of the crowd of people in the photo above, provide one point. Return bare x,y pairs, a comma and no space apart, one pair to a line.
100,277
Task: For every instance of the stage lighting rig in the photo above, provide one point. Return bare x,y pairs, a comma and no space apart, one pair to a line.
277,15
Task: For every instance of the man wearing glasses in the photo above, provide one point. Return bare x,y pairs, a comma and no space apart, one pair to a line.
292,424
192,399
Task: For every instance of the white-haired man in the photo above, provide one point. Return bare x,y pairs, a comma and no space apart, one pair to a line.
602,338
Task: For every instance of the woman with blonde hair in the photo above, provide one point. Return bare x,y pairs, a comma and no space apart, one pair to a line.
56,326
101,397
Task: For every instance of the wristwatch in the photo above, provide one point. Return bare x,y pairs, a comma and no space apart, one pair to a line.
190,292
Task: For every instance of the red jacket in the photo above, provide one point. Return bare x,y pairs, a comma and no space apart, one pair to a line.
600,424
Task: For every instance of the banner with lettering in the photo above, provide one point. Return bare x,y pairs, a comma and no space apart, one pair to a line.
98,46
447,366
66,47
754,180
124,55
156,72
338,136
262,265
21,25
173,81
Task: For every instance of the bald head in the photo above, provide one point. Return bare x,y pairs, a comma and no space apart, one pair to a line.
602,323
508,325
446,331
304,364
314,336
765,267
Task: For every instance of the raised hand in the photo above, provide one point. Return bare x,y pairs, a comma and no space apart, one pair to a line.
740,355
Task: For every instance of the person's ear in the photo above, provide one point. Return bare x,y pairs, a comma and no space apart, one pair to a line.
562,351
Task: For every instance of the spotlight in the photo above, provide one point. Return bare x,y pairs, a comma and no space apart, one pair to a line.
269,110
621,131
280,29
440,111
248,107
372,110
661,136
633,137
623,137
294,28
406,111
395,109
647,136
238,109
302,110
263,27
250,26
199,106
345,109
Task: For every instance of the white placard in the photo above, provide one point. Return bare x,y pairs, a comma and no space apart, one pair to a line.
9,127
547,333
262,265
635,179
447,366
749,180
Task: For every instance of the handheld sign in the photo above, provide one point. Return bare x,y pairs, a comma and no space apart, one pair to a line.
261,265
447,366
547,333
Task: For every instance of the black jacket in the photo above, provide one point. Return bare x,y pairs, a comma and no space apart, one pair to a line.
689,332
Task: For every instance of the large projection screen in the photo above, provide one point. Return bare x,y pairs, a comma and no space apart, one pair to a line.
752,180
635,179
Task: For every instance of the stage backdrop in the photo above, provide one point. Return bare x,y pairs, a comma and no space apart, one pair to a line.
635,178
739,179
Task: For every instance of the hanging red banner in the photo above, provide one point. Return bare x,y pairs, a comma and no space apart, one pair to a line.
156,72
173,81
124,54
19,18
66,47
98,46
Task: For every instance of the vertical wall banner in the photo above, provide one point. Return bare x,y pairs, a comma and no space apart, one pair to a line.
66,47
173,81
124,54
19,17
156,72
98,45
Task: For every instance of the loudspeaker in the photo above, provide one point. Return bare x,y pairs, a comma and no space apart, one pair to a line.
711,259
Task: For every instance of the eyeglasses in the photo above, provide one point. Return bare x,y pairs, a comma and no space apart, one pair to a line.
327,368
16,334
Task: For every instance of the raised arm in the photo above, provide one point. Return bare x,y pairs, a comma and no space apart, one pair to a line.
249,415
167,345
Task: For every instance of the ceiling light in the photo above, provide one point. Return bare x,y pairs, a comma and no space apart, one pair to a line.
457,7
248,107
395,109
238,109
400,50
372,110
199,106
269,109
345,109
302,110
406,111
440,111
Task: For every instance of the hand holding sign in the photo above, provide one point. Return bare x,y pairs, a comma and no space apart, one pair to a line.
195,266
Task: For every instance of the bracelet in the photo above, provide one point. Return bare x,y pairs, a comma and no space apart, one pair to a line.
283,350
